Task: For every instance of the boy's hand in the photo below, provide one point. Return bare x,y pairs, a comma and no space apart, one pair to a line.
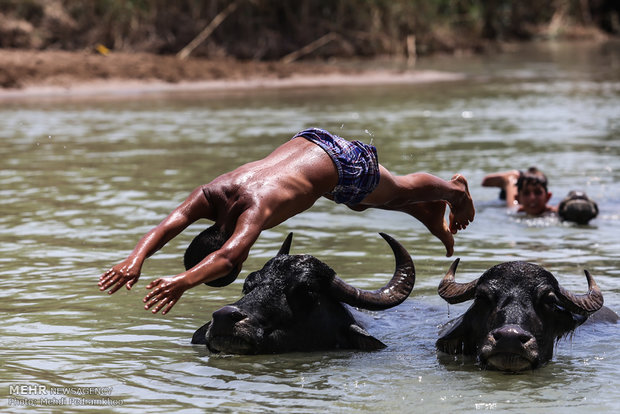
125,273
166,293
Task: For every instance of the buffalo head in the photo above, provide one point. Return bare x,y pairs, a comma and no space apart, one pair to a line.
519,311
577,207
295,303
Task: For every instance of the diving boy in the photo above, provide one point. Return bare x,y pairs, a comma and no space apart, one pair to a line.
264,193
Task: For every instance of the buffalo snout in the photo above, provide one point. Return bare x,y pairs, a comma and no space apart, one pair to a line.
230,330
511,337
228,316
509,348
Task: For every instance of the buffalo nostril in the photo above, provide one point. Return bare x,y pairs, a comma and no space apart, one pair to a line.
229,313
511,333
237,316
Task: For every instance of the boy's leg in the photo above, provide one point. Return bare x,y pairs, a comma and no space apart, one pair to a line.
431,214
397,192
424,197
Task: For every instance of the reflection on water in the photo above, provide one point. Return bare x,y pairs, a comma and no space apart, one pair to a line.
82,181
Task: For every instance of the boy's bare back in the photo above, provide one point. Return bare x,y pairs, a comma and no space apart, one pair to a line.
283,184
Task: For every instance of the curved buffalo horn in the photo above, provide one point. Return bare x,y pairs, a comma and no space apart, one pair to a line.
392,294
453,292
286,245
583,304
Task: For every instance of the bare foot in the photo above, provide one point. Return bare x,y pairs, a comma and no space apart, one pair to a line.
431,214
462,210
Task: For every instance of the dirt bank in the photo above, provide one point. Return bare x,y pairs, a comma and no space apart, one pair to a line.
26,73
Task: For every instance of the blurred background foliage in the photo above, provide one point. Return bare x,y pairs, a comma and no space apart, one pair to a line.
271,29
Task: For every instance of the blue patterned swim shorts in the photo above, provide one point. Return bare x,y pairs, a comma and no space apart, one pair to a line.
357,164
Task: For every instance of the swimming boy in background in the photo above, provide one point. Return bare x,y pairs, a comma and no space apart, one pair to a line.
527,191
262,194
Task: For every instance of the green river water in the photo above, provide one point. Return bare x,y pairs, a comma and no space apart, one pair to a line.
82,180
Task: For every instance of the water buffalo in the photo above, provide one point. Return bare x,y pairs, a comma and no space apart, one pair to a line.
295,303
519,312
577,207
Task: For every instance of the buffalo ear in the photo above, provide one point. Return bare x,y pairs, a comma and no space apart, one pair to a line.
200,336
362,340
453,337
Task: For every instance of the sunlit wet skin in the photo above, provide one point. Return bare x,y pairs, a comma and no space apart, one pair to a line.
462,210
425,197
262,194
432,214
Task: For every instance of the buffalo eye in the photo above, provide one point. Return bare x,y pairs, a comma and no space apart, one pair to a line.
549,301
562,320
300,298
484,295
251,281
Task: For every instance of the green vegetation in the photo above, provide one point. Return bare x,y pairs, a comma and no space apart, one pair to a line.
271,29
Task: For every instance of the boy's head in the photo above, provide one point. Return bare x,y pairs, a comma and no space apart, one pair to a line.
532,193
208,241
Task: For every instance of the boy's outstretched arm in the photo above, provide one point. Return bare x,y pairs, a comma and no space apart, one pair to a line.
128,271
506,180
166,291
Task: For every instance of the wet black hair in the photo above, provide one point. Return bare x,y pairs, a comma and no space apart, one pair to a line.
208,241
532,176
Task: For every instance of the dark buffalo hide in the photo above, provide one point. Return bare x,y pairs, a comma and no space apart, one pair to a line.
577,207
296,303
519,311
